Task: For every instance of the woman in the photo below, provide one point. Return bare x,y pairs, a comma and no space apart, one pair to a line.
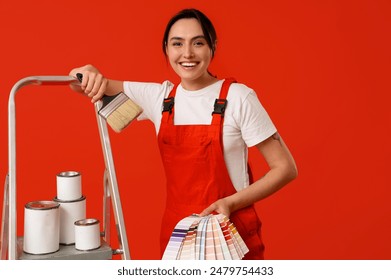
203,146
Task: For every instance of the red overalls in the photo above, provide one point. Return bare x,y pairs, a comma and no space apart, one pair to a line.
197,175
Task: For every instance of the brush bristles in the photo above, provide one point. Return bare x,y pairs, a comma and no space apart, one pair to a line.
122,116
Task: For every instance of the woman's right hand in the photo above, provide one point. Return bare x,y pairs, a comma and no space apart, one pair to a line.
94,84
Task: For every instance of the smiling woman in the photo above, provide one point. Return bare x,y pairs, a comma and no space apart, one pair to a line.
204,145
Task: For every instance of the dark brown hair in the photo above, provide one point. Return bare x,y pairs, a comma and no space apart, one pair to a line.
206,25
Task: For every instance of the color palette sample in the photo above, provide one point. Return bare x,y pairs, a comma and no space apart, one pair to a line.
213,237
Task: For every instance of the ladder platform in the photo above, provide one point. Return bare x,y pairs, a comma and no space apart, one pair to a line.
68,252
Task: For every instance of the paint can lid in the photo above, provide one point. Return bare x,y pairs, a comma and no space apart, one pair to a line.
42,205
68,174
87,222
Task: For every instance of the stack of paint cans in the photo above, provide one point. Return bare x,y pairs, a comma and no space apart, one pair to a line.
72,204
47,224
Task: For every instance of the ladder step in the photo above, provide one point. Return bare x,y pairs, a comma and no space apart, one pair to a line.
68,252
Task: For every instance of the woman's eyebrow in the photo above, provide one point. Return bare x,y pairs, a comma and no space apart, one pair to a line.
194,38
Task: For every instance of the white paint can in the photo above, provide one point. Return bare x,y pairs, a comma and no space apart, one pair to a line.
70,212
87,234
69,185
41,227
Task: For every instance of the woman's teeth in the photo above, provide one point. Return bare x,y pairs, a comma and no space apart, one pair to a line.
188,64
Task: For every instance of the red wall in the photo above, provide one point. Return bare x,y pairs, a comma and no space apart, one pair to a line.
321,69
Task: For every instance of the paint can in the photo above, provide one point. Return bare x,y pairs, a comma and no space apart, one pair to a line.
69,185
70,212
87,234
41,227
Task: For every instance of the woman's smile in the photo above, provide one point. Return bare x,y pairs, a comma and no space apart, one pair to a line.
188,65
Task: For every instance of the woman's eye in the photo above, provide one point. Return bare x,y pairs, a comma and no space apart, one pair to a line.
198,43
177,44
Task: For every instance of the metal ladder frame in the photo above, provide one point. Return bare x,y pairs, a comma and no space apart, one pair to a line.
111,195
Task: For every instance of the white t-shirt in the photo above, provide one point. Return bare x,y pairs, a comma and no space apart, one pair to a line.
246,122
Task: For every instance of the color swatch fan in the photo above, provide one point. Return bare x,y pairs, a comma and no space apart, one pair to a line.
212,237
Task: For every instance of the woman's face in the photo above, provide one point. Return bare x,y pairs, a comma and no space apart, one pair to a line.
189,53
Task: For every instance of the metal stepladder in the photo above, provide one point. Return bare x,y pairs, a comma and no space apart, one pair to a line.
12,246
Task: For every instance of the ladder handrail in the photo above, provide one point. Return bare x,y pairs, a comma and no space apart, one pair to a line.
33,80
111,178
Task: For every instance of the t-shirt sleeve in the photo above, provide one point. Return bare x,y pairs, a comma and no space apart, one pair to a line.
256,125
149,96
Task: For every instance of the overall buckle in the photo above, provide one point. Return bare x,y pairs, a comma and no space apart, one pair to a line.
168,104
219,106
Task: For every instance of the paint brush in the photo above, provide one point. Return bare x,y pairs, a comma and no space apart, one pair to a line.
118,110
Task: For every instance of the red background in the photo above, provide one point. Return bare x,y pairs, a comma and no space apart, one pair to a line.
321,69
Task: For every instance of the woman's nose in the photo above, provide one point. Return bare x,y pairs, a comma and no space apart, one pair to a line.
188,51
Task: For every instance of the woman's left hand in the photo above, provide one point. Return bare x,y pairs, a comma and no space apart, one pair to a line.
221,206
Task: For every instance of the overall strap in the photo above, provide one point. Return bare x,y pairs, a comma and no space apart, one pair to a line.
168,106
221,102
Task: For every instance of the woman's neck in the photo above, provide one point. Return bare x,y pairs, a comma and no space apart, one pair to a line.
198,83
